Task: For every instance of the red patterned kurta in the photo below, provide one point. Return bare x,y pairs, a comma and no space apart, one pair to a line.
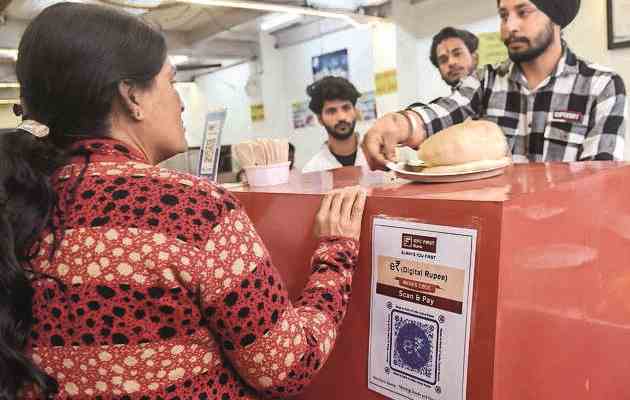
165,290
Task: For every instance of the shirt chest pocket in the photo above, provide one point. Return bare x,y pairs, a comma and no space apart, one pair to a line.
565,132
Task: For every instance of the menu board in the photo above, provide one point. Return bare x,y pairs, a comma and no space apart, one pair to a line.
618,23
366,106
257,112
386,82
422,281
211,144
301,115
331,64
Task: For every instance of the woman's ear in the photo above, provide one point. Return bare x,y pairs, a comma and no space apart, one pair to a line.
129,98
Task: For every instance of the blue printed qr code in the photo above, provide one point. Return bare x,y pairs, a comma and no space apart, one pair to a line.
413,346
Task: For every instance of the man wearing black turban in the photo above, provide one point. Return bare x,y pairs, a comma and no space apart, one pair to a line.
550,104
530,29
561,12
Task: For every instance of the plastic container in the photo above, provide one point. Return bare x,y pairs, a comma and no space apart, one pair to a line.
268,175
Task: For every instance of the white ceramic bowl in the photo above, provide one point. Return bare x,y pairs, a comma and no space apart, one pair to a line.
268,175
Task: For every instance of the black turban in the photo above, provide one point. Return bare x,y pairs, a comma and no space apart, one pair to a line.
562,12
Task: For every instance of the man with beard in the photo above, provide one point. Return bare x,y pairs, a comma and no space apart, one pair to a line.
550,104
454,54
333,100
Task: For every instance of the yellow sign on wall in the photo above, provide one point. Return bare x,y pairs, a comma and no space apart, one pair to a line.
386,82
491,50
257,112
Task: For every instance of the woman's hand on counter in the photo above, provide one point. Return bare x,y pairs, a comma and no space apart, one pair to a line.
341,213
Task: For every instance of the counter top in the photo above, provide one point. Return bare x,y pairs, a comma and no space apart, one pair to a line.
518,179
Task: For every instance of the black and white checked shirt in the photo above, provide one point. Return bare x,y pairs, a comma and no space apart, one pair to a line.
575,114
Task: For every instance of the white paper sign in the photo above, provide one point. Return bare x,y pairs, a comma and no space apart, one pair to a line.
422,281
211,144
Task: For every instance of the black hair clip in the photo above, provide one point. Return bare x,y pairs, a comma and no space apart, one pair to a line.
18,110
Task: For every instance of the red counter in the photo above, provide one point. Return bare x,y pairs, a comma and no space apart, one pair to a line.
551,300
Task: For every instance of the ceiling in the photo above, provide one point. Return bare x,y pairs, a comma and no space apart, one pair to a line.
206,34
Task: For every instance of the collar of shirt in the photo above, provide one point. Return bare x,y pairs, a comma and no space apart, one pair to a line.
357,134
108,149
567,65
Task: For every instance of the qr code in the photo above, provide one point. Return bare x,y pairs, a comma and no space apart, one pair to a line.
413,346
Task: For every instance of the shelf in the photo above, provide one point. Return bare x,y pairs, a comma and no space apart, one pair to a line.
9,101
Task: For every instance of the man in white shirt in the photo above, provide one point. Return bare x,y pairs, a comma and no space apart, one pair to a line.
333,100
